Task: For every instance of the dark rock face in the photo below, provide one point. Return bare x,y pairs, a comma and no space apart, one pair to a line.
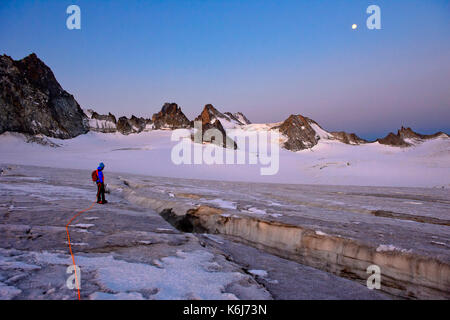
209,120
209,115
348,138
123,126
408,133
299,132
138,124
398,140
33,102
393,140
170,117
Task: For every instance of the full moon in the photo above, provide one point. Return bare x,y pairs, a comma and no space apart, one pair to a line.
354,26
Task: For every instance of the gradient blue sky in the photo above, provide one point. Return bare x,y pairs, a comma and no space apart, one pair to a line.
268,59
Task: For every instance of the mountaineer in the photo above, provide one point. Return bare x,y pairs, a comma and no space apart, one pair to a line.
99,179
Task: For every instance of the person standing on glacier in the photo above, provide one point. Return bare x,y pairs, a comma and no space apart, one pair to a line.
99,179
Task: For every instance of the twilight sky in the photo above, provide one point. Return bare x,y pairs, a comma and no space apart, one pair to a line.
268,59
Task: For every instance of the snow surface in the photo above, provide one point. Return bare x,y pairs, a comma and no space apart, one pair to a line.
222,203
82,225
329,162
320,132
8,292
390,247
125,279
260,273
257,211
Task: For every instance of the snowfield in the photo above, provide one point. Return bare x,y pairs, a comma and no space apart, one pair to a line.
328,213
330,162
129,251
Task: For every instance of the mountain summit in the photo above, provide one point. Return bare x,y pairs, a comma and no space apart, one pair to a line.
33,102
209,119
170,117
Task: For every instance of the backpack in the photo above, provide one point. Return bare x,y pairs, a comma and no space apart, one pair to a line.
94,176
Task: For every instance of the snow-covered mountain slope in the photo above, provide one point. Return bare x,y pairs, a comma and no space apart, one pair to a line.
329,162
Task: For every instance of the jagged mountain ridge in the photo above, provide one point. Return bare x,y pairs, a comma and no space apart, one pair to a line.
209,119
406,137
300,132
33,102
303,133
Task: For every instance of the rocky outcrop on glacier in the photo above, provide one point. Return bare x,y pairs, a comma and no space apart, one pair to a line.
109,124
209,119
102,123
299,132
348,138
210,113
33,102
302,133
140,124
133,125
228,120
406,137
170,117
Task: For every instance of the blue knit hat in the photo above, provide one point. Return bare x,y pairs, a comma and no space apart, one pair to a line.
101,165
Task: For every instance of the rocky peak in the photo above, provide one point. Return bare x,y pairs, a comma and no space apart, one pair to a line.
408,133
38,74
209,119
170,117
124,126
139,124
348,138
393,140
227,119
299,132
406,137
209,115
33,102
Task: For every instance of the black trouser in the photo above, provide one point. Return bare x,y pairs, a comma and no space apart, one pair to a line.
100,192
